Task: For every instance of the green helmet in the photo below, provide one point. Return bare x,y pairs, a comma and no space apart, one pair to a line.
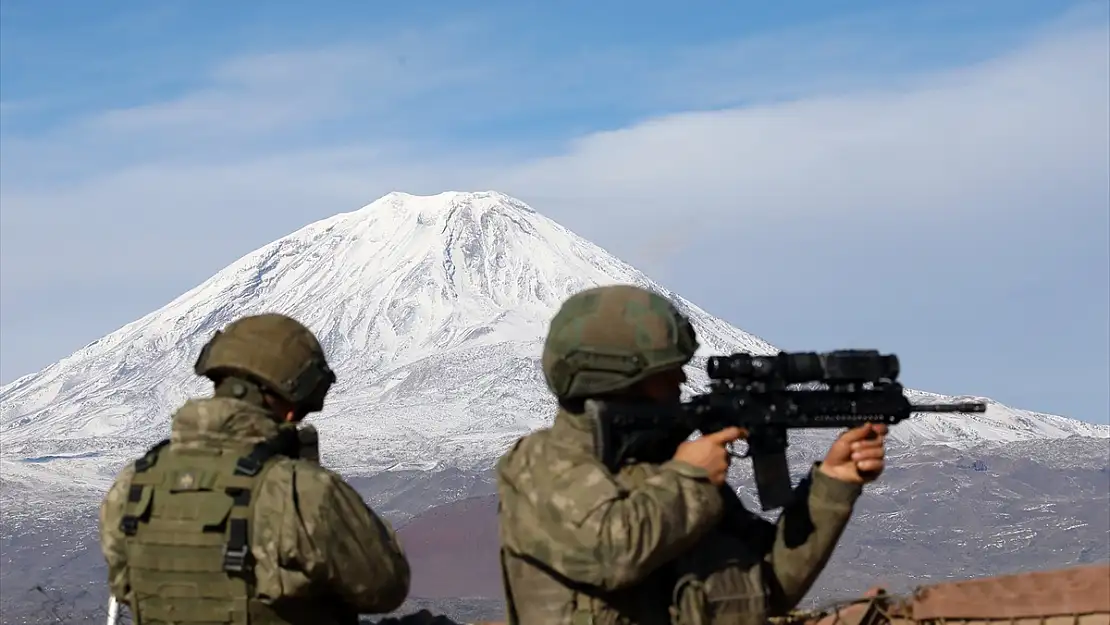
608,338
274,351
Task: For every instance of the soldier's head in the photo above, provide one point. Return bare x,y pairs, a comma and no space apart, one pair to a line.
269,358
617,341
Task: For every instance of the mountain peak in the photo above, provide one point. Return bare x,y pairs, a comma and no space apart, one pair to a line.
440,205
449,209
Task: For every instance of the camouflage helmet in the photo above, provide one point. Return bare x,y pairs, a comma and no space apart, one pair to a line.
608,338
276,352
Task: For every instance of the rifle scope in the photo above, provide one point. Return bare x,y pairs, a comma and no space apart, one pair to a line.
841,366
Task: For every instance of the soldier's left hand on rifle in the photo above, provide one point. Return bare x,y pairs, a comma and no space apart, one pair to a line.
858,455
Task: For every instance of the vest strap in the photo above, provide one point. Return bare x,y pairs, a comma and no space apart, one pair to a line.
129,524
237,555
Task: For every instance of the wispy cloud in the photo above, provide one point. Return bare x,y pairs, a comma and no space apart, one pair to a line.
277,91
474,77
998,131
979,140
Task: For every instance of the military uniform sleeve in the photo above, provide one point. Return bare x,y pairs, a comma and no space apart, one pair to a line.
357,554
803,539
567,512
806,536
112,538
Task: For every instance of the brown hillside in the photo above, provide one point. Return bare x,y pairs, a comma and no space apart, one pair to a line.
453,550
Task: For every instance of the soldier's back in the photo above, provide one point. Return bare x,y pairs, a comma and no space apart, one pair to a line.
217,525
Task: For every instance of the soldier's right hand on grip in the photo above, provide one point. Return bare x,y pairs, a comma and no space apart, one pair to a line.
710,452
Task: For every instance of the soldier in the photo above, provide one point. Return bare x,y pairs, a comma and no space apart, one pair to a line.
666,543
222,523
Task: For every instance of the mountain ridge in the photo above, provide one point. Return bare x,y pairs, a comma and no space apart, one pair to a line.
432,310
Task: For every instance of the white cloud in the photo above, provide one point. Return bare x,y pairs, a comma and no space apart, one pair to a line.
983,139
973,140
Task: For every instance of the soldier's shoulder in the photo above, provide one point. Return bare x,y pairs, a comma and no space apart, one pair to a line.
117,492
526,450
126,472
304,475
290,468
300,487
541,456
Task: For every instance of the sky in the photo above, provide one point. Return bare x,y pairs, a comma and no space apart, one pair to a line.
930,179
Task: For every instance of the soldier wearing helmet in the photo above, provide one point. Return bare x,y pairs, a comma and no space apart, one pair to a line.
226,522
667,542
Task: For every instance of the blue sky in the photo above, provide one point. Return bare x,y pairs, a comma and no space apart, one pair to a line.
925,178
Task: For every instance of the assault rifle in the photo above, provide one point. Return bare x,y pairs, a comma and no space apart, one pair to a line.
752,392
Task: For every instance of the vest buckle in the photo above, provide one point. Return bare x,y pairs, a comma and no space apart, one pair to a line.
235,558
248,466
129,525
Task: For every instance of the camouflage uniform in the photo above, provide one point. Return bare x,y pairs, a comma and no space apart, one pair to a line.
224,523
655,543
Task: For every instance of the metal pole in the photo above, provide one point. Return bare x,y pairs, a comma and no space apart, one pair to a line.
113,611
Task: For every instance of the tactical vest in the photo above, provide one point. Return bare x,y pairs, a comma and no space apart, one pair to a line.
187,523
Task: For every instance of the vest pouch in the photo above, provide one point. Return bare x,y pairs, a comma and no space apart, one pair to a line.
719,583
690,602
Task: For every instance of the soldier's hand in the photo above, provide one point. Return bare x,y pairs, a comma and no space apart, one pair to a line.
710,452
858,456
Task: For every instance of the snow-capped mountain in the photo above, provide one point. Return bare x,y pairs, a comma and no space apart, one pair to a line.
432,311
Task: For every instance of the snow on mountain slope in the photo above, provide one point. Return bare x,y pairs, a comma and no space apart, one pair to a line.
432,311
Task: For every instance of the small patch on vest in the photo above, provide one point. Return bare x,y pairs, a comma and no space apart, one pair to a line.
186,480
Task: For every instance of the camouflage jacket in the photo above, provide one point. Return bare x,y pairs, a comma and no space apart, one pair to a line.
652,545
311,533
